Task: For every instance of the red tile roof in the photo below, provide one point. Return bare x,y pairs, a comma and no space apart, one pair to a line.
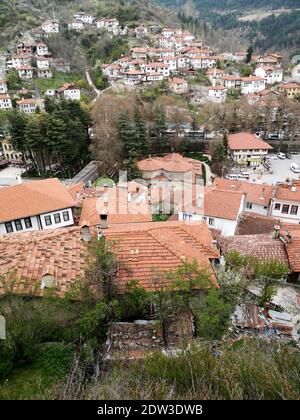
222,204
172,162
255,193
288,192
142,248
293,251
246,141
33,198
29,256
251,223
264,247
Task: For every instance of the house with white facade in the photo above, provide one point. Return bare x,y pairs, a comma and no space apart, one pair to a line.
36,205
110,24
252,84
42,63
161,68
69,92
285,202
51,26
229,81
257,196
21,60
3,86
246,149
41,49
217,94
29,106
86,18
44,73
75,25
5,101
219,208
25,72
215,75
203,62
270,74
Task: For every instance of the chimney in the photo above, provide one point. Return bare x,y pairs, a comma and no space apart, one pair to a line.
103,221
85,232
276,233
19,179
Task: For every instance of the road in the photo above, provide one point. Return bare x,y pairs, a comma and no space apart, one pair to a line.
91,84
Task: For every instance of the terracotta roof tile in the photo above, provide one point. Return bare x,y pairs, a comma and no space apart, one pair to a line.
33,198
245,141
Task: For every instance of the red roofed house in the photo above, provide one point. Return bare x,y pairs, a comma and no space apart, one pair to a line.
291,90
246,149
219,208
172,167
36,205
178,86
57,258
252,84
285,202
258,196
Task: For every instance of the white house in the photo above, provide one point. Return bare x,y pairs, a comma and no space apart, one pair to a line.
86,18
285,202
69,92
44,73
3,86
111,25
230,81
75,25
270,74
257,196
51,26
246,149
217,94
21,60
252,84
36,205
5,101
203,62
42,63
161,68
42,49
220,209
30,105
296,73
25,72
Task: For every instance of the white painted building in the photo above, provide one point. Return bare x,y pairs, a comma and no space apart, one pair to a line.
75,25
29,106
70,92
5,101
42,63
252,84
285,203
217,94
36,205
42,49
270,74
3,86
25,72
247,150
50,27
161,68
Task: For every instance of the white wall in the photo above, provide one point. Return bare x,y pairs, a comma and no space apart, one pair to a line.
256,208
289,218
227,227
35,223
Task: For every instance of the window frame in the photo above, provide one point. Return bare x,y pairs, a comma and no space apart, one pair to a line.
18,225
28,225
66,216
48,219
11,229
57,216
287,206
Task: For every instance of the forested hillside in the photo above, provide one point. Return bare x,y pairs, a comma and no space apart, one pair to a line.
259,22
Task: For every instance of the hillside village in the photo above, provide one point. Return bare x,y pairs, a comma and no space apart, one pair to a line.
223,198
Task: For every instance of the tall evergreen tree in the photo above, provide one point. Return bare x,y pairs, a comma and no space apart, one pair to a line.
141,146
249,54
163,143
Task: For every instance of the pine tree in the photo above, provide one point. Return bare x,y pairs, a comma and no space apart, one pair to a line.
163,142
17,127
141,146
126,134
249,54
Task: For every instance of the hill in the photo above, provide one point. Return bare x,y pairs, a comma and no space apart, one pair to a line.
267,24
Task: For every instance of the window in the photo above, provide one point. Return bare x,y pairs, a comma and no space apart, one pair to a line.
48,220
277,206
187,216
57,218
9,227
66,216
18,225
294,209
285,209
249,206
28,223
211,222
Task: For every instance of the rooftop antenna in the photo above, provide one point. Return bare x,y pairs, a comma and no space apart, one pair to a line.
53,13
